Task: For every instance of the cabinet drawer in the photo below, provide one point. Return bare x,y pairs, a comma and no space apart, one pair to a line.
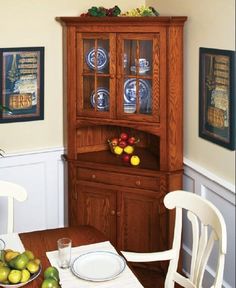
142,182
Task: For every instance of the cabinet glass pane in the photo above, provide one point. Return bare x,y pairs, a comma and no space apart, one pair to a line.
138,96
145,96
138,76
103,56
138,57
144,60
96,95
96,55
88,88
88,63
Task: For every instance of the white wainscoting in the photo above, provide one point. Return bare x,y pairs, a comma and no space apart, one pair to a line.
42,174
222,195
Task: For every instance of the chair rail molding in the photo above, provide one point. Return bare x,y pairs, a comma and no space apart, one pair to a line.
42,175
222,194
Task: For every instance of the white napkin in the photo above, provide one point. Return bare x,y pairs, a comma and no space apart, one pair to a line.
68,280
13,242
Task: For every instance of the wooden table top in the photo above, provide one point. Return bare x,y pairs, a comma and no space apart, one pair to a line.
39,242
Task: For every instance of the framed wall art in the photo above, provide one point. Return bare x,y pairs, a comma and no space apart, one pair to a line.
21,84
217,96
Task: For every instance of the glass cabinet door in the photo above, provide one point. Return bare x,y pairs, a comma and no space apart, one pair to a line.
137,96
95,75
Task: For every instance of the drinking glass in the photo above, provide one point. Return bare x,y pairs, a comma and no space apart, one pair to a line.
64,252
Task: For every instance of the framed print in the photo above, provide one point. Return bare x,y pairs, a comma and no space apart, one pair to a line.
21,84
217,96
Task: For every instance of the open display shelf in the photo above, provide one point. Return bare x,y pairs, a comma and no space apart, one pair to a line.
149,161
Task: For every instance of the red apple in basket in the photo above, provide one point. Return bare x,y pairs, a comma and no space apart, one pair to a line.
126,158
131,141
124,136
114,141
122,143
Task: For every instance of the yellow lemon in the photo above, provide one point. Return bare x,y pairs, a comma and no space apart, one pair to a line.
19,262
25,276
37,261
118,150
4,272
2,264
14,276
29,254
135,160
9,255
2,255
129,149
32,266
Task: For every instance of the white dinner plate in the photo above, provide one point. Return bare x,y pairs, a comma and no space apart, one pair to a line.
98,266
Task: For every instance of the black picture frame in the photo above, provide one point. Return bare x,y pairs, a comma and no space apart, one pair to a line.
217,96
21,84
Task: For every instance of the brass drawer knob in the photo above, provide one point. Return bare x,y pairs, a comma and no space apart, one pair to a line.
138,182
93,176
113,212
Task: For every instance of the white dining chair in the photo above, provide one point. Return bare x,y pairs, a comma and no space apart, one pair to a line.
208,226
12,191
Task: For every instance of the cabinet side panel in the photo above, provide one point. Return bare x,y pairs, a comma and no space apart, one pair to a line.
70,89
175,182
175,103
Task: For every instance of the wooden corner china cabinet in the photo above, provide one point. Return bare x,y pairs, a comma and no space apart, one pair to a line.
124,74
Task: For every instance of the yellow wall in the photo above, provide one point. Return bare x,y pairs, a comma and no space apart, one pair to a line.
210,24
28,23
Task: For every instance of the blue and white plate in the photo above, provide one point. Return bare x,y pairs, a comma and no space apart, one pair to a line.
144,94
102,96
102,59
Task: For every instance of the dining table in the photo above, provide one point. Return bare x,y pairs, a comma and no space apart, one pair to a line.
39,242
43,241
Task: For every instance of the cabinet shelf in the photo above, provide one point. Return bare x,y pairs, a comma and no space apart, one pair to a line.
149,161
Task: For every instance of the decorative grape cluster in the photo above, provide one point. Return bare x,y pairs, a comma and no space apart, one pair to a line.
142,11
102,12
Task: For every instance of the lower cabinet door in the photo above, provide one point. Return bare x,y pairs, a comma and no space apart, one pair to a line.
142,222
97,207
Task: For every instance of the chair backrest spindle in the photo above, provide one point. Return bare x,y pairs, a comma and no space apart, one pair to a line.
12,191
